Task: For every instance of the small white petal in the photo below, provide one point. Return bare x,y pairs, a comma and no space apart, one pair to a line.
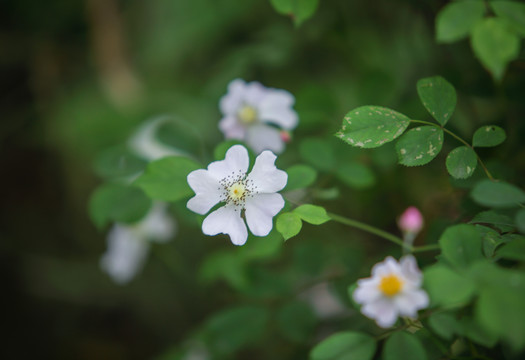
232,128
235,162
207,190
410,302
158,225
230,103
265,175
367,291
254,93
264,137
125,254
226,220
260,210
387,267
410,270
382,311
284,118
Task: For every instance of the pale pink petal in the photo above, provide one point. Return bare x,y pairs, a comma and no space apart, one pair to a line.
207,189
232,128
284,118
260,210
265,176
263,137
254,93
226,220
158,225
382,311
235,163
125,254
276,108
233,100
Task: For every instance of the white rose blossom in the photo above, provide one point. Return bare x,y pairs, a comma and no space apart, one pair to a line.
393,290
252,196
260,116
128,245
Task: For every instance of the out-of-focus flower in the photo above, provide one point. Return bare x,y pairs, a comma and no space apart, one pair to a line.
253,195
145,144
411,221
128,245
257,114
393,290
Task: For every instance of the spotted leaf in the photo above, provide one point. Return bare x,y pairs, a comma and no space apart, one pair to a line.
461,162
372,126
438,96
419,145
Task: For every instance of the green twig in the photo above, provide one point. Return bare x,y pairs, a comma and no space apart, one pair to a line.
489,175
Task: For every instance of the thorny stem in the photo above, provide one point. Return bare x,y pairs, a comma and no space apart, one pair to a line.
385,235
489,175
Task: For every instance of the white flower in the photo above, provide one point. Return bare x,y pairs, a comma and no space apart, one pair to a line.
145,144
393,290
252,196
248,110
128,245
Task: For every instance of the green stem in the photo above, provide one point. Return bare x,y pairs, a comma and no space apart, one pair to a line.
423,248
370,229
489,175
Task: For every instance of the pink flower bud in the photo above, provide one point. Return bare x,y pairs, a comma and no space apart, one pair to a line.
411,221
285,136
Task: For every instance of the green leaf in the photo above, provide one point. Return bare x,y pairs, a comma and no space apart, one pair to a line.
488,136
345,346
165,179
118,162
288,224
446,287
501,222
219,153
299,177
461,162
477,333
403,346
233,329
226,266
513,12
495,45
455,21
299,10
312,214
514,250
520,220
491,240
419,145
497,194
438,97
372,126
444,324
319,153
296,321
461,245
118,203
356,175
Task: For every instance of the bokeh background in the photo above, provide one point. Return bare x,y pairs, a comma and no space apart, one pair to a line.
78,77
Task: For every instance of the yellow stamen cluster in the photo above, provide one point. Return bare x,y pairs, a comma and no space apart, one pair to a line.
390,285
247,114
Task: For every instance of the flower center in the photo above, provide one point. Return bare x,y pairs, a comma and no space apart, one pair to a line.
390,285
236,189
247,115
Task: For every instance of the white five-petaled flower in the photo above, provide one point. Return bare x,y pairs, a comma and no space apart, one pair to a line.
393,290
260,116
128,245
252,196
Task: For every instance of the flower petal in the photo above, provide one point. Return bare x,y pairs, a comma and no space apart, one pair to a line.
207,189
235,162
158,225
265,175
263,137
230,103
410,302
367,291
226,220
254,93
410,270
145,144
382,310
276,107
386,267
260,210
232,128
125,254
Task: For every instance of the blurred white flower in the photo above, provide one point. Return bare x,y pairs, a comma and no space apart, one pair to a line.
256,115
128,245
145,144
252,196
393,290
